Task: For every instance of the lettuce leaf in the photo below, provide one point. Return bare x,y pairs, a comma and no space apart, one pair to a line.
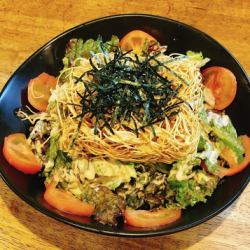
228,138
197,57
78,48
189,192
194,55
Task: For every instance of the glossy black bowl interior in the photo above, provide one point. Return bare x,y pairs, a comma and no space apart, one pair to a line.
179,38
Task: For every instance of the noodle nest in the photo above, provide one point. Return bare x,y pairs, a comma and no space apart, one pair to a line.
171,140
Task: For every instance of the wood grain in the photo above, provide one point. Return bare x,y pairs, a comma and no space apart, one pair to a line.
27,25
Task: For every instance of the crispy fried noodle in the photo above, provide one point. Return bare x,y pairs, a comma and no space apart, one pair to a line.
171,138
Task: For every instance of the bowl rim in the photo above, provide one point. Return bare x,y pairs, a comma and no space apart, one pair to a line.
58,217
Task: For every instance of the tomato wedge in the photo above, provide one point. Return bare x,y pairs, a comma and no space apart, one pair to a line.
18,154
39,91
222,83
66,202
236,168
136,40
144,218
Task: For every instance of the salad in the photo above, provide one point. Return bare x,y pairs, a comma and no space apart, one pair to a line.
128,131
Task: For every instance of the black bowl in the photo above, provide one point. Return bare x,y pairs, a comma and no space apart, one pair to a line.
179,38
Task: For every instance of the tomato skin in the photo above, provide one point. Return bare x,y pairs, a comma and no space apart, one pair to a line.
144,218
135,40
39,90
222,82
236,168
18,154
66,202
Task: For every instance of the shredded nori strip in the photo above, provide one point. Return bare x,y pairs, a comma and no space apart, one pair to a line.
126,89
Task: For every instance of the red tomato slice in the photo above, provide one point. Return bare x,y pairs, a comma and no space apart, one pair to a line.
144,218
39,91
236,168
66,202
18,154
222,83
135,40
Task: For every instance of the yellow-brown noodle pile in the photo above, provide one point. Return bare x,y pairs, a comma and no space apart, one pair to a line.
175,138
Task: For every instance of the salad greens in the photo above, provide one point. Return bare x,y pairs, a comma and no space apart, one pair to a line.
137,93
79,48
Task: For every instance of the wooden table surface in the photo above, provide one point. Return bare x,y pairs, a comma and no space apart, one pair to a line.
27,25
